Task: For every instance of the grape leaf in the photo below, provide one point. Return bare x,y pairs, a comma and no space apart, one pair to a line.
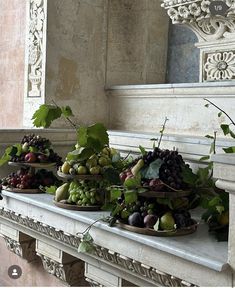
206,105
115,193
229,149
45,115
66,111
130,196
10,151
85,247
209,136
204,158
133,182
87,237
188,176
225,128
142,150
50,190
82,136
220,114
152,170
98,132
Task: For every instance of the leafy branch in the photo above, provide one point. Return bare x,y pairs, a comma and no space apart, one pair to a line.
225,127
86,244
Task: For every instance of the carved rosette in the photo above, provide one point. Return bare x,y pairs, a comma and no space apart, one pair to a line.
219,66
36,47
197,16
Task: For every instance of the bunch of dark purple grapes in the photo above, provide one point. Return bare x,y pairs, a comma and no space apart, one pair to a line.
171,168
37,141
55,158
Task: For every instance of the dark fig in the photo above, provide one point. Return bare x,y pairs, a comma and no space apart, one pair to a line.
150,220
135,219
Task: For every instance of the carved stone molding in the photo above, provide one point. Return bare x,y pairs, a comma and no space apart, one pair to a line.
149,273
71,273
196,15
36,47
24,249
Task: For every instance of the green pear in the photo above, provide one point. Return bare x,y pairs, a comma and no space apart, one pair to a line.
62,192
135,169
65,168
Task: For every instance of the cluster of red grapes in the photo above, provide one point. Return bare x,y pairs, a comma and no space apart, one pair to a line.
171,168
37,149
36,141
24,179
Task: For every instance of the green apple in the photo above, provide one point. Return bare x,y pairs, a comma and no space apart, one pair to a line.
91,162
81,170
104,161
95,170
167,221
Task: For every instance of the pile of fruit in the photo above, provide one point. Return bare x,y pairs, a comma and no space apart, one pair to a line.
82,193
25,179
159,170
93,165
34,149
149,213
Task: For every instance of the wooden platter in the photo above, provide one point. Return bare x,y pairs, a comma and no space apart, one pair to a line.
165,194
33,165
167,233
25,191
76,207
79,177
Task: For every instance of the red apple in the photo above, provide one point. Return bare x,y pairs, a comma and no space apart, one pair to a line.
122,176
30,157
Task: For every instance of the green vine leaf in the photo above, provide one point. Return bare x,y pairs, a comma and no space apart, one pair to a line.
131,196
133,182
204,158
225,129
152,170
44,116
66,111
115,193
142,150
220,114
188,176
229,149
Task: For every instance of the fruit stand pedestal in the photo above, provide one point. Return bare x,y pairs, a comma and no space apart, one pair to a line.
224,171
119,257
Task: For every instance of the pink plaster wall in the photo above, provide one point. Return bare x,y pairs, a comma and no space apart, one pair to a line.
12,44
33,274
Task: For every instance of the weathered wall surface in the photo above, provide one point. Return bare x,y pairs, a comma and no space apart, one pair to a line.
181,69
76,57
137,42
12,41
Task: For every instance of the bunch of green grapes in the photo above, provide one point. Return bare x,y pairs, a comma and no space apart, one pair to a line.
84,193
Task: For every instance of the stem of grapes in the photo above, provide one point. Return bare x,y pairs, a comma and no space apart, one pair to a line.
162,131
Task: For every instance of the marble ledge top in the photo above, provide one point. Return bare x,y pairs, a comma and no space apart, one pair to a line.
199,247
226,158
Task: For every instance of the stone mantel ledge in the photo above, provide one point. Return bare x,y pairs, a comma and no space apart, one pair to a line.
40,207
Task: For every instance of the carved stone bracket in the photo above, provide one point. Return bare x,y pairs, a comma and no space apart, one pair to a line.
24,249
148,273
71,272
216,35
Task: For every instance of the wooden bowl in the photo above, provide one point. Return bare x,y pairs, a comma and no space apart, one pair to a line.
76,207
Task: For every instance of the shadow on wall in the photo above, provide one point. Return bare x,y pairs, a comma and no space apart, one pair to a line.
183,56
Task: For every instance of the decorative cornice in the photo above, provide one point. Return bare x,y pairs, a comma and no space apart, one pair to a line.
196,15
36,47
140,269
